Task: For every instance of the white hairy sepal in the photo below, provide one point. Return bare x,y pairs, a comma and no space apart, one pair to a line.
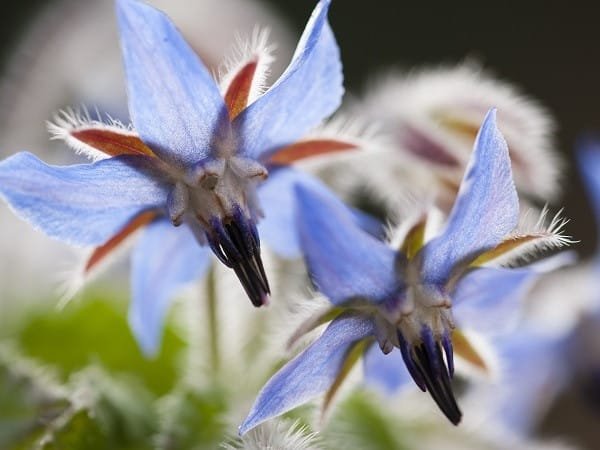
538,236
351,128
414,209
427,100
306,318
68,121
276,434
75,278
255,49
369,145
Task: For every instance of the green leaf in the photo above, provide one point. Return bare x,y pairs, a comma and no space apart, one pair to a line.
95,330
29,398
123,408
93,411
358,423
78,432
192,420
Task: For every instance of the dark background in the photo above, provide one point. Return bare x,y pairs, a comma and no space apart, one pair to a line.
549,49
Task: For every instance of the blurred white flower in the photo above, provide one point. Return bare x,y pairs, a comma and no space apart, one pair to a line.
430,118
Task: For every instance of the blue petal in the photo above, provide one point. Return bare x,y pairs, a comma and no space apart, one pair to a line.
386,372
534,368
344,261
369,224
174,102
164,259
309,374
82,204
309,90
486,208
278,229
589,163
489,299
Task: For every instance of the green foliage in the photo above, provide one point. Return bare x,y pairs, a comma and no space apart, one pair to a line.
95,331
29,399
192,420
91,412
79,381
77,431
358,423
121,407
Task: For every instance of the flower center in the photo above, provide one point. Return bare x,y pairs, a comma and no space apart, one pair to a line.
218,201
423,335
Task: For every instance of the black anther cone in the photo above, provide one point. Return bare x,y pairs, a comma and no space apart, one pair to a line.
237,246
433,371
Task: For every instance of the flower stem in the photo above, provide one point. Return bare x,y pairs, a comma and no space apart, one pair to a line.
212,315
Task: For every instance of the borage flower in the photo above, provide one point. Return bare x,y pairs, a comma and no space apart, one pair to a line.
402,299
560,338
196,156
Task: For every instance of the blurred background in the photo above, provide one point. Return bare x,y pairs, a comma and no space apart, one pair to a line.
56,54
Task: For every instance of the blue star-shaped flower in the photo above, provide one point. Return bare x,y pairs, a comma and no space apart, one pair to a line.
561,347
197,156
403,298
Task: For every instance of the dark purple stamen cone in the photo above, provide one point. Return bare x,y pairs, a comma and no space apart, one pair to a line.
425,362
406,351
447,345
235,242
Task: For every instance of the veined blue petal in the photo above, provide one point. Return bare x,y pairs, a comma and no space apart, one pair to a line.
311,373
386,372
174,102
309,90
485,211
344,261
81,204
589,164
278,229
534,368
489,300
164,259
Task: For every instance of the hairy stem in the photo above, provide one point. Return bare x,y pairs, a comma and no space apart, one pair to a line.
213,325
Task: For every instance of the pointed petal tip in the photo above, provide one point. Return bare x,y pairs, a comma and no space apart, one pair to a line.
324,4
125,7
149,350
158,60
147,338
246,426
311,373
309,90
490,120
147,342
